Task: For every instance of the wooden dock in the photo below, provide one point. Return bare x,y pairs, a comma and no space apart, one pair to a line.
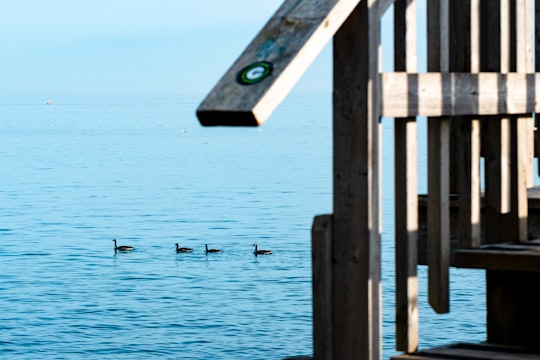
479,95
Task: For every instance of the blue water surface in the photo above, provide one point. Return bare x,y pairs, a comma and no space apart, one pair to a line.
82,171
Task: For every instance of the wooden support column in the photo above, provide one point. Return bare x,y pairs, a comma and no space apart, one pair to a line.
464,54
356,216
537,65
406,187
321,236
438,167
512,296
494,44
523,148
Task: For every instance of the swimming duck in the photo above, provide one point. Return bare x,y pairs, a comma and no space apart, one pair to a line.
182,249
211,250
261,252
122,247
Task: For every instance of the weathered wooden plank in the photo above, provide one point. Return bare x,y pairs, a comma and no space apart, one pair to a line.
450,94
321,235
406,187
537,61
497,257
356,234
525,64
465,130
438,168
464,351
496,147
277,57
524,124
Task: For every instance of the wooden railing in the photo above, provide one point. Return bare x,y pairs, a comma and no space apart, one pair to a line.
479,96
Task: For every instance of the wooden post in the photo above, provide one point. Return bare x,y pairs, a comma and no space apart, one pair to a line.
356,233
465,129
438,168
495,130
406,187
524,124
321,235
537,66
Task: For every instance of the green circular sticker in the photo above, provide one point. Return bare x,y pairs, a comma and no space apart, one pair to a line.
254,73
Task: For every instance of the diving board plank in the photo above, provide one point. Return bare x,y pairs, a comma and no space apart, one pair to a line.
273,62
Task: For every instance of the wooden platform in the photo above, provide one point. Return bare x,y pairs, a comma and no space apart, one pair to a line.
527,254
524,256
468,351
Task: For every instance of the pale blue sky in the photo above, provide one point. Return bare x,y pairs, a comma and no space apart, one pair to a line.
123,47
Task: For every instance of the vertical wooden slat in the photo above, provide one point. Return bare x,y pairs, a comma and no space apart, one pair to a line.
438,168
356,234
406,187
505,143
495,130
321,235
524,124
537,66
465,130
525,64
474,238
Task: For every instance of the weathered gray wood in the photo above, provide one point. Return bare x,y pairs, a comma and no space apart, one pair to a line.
290,41
537,62
356,232
525,64
500,257
406,187
450,94
470,351
475,234
465,140
321,235
495,130
438,168
524,124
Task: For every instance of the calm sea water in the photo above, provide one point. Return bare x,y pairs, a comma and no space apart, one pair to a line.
82,171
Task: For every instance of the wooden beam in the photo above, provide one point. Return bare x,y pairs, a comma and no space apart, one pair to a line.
470,193
438,167
406,187
273,62
356,216
524,151
321,235
537,65
450,94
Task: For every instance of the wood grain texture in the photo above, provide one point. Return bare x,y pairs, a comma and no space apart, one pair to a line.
290,41
356,234
469,351
537,64
321,235
438,168
406,184
507,257
450,94
524,148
